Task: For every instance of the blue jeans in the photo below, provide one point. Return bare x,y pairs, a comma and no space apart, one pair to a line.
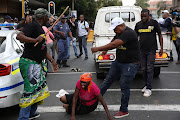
126,72
27,112
83,42
74,46
147,66
63,49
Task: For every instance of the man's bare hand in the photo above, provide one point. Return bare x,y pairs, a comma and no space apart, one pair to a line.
161,52
104,53
62,33
39,39
94,49
55,66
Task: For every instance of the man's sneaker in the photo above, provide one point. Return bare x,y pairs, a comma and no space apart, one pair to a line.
147,93
34,116
143,90
80,54
178,62
85,58
120,114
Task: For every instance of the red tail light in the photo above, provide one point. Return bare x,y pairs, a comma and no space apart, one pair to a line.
5,69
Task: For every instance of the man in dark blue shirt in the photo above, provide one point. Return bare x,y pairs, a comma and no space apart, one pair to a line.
166,26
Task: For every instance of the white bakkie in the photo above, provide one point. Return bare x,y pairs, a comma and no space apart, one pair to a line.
102,36
11,81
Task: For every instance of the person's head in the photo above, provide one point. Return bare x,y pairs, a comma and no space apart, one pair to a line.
117,24
86,81
16,20
42,16
63,19
81,17
165,14
73,18
51,21
7,18
22,20
150,16
145,15
28,18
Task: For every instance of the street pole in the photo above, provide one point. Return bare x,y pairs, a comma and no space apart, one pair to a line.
22,8
72,4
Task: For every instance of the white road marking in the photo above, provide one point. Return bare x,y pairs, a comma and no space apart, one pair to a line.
137,107
67,72
133,90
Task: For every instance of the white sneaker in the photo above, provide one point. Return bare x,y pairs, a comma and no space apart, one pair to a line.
147,93
143,90
61,93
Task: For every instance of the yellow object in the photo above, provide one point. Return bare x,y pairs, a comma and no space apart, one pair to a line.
164,55
174,36
23,8
100,57
90,37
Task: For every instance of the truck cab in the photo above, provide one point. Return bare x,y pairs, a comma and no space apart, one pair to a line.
102,36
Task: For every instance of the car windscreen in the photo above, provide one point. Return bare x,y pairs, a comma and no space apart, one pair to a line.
2,44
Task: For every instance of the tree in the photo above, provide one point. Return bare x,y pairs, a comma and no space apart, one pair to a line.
142,3
161,6
106,3
86,7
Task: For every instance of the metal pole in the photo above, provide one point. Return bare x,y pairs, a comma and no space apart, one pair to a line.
72,4
22,8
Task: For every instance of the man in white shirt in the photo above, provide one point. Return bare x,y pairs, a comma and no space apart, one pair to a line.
83,32
7,20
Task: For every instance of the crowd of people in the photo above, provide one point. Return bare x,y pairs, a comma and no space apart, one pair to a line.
130,53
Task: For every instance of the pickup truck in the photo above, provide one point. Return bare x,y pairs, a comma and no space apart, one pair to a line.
102,36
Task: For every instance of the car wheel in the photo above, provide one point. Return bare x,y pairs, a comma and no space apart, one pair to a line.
157,71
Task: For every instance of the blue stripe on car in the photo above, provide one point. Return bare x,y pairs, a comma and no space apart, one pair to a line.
11,87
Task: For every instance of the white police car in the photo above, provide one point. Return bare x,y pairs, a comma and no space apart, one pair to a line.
11,81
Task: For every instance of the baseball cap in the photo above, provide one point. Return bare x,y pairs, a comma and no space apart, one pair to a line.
165,11
41,12
15,18
64,17
115,22
73,16
7,17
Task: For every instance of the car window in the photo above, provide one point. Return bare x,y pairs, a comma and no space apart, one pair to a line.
17,45
113,15
126,16
2,44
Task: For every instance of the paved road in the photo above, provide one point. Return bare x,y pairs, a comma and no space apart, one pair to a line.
163,104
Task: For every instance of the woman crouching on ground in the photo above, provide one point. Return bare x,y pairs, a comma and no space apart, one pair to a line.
85,98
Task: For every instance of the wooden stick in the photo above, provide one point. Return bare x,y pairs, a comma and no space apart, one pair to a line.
54,23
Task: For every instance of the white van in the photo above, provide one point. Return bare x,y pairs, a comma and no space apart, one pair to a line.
102,36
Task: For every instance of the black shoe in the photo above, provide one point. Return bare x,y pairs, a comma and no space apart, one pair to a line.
68,57
80,54
85,58
77,56
65,63
34,116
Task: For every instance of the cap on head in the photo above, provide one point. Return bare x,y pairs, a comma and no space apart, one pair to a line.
165,11
64,17
41,12
73,16
7,17
15,18
115,22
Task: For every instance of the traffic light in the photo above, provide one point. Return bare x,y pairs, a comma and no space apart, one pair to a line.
51,7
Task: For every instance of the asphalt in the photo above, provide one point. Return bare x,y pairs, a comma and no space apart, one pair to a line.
166,92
